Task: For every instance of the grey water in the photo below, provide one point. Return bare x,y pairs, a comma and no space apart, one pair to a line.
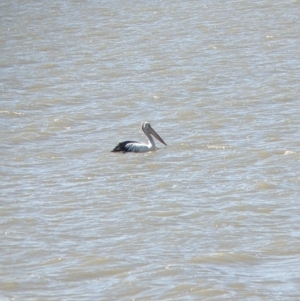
215,215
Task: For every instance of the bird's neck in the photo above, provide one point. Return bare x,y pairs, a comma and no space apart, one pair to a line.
150,141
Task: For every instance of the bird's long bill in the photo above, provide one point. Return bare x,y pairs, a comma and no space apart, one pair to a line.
152,132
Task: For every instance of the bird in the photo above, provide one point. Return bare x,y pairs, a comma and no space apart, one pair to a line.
139,147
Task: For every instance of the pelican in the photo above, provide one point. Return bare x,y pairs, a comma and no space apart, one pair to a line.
139,147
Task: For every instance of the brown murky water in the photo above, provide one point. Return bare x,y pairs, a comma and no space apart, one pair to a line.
213,216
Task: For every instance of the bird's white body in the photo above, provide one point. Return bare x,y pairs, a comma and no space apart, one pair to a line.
139,147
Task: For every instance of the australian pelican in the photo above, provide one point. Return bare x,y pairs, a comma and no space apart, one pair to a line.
138,147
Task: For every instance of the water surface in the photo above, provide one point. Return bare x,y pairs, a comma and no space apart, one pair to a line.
213,216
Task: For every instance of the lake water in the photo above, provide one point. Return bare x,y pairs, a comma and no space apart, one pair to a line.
215,215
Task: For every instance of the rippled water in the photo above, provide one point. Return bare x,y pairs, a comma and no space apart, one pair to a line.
215,215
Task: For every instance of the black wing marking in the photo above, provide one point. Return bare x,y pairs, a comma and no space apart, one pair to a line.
122,147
